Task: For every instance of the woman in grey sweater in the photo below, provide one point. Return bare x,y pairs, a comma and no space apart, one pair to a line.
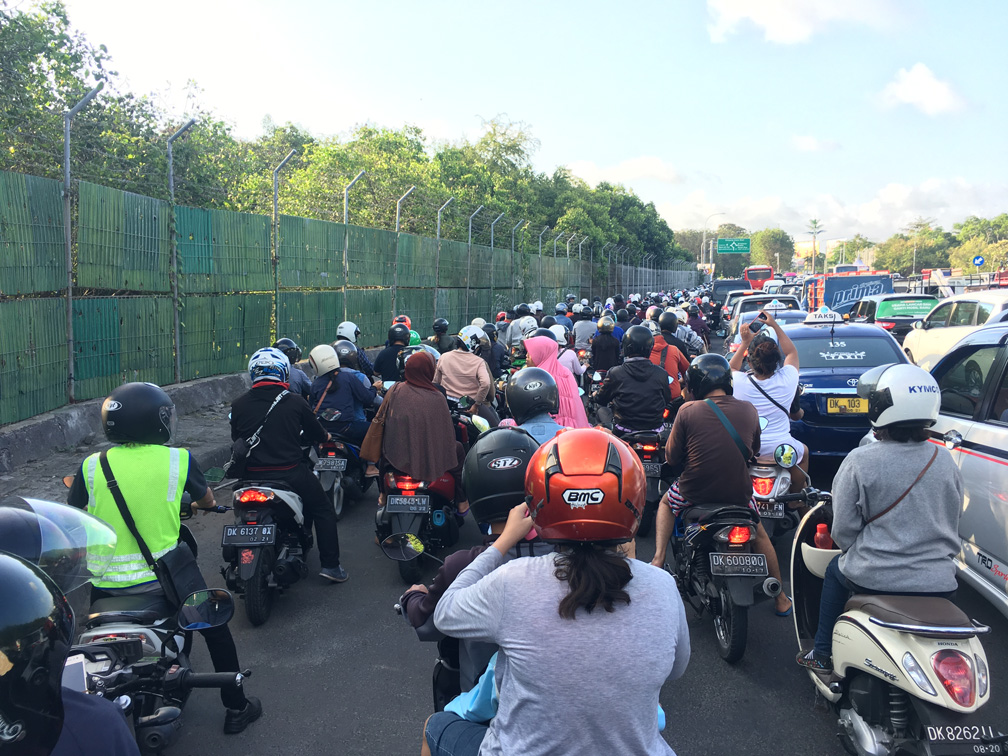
587,637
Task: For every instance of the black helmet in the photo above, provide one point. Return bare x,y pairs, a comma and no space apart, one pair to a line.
347,353
637,342
399,332
548,321
522,310
622,316
406,353
605,325
493,474
530,391
440,325
706,373
667,321
543,332
631,309
490,329
618,298
694,309
561,308
289,348
138,413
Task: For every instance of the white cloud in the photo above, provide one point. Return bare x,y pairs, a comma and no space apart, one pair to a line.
644,168
920,88
793,21
813,144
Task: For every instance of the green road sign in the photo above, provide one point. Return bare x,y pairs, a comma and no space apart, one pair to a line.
733,246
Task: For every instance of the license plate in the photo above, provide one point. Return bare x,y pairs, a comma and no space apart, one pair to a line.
846,405
956,739
738,564
331,463
772,509
652,469
248,535
408,504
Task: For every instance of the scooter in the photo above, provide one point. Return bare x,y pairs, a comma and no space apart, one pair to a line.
340,470
647,445
771,479
909,672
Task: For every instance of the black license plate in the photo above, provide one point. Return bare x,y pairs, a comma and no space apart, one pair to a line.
331,463
248,535
652,469
407,504
772,509
731,565
963,739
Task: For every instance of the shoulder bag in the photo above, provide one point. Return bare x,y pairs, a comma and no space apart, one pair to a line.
746,452
241,448
904,494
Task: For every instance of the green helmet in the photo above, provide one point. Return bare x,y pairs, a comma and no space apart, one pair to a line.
414,338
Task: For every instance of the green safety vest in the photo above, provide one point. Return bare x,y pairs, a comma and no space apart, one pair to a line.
151,479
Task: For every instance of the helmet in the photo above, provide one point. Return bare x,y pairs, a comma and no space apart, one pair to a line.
399,332
440,325
900,395
527,326
289,348
622,315
547,321
694,309
500,316
562,334
585,486
478,322
36,632
637,342
652,326
537,306
561,308
414,338
470,337
631,309
531,391
269,364
323,359
668,322
705,300
491,331
493,474
347,355
543,332
522,310
680,315
407,352
606,325
653,312
403,319
706,373
141,413
349,331
619,299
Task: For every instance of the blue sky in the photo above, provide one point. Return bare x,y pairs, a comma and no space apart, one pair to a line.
865,114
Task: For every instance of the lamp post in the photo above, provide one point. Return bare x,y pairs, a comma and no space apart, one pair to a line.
703,243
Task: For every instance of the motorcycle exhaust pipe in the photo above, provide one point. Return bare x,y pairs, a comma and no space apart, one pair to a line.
771,587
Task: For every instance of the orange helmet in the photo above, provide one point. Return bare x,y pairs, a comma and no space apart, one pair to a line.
500,316
403,319
585,486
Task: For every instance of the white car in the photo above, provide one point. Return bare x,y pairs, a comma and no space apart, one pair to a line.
951,320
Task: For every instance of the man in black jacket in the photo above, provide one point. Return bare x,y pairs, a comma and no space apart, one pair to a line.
278,455
385,364
638,390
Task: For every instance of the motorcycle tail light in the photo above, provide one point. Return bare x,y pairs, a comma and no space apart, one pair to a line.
762,486
739,535
917,674
887,324
650,447
734,347
254,496
406,484
665,414
955,671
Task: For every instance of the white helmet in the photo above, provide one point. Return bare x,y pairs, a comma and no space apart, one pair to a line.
652,325
323,358
527,325
470,337
900,395
478,322
584,302
347,330
705,300
537,306
560,332
269,364
681,315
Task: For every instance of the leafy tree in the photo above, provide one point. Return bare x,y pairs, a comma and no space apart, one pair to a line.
772,246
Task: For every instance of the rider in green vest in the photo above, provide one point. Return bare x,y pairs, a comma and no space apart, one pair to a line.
140,418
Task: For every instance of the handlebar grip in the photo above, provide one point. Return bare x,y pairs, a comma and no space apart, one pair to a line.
213,679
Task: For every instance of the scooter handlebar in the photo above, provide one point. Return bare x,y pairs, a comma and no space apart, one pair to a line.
213,679
808,495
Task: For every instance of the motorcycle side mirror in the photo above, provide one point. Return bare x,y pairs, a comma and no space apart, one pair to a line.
580,391
786,456
480,423
464,402
596,376
671,380
68,480
203,610
402,547
763,423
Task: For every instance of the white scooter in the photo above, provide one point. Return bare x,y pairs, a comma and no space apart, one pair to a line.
909,672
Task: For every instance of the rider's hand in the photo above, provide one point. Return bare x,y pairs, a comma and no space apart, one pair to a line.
518,525
418,587
770,320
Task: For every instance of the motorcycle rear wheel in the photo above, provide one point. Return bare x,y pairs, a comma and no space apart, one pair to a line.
731,625
337,494
410,571
258,594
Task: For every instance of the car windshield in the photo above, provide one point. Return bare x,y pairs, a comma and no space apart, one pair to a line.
841,351
912,307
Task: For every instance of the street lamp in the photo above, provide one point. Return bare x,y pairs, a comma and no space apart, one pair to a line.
703,242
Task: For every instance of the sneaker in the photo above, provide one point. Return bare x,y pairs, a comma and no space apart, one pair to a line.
236,721
335,574
815,662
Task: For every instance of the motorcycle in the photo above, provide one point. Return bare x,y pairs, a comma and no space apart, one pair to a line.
909,672
340,470
135,651
649,448
718,572
771,479
266,546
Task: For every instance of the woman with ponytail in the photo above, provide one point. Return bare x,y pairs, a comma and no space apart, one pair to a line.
587,637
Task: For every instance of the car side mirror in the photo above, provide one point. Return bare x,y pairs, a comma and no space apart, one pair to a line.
920,325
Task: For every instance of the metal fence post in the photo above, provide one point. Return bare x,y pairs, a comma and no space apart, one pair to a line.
346,239
554,263
493,304
580,270
395,272
567,283
437,254
276,243
540,260
174,250
469,261
67,118
514,272
591,278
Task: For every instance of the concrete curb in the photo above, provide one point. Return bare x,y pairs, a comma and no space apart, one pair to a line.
69,427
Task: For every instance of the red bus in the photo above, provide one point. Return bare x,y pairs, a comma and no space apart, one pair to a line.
757,275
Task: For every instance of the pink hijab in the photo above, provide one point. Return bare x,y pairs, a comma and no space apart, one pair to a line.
543,351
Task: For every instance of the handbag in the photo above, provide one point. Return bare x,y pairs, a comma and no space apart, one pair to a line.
241,448
371,447
177,572
747,454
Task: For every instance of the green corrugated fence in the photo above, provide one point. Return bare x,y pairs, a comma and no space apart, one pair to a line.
32,257
33,357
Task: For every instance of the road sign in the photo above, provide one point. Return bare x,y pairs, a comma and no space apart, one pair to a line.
733,246
978,261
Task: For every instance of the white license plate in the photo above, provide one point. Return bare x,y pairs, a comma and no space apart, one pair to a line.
771,509
407,504
331,463
738,564
248,535
652,469
956,739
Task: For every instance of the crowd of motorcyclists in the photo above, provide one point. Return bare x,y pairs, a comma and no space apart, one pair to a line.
557,390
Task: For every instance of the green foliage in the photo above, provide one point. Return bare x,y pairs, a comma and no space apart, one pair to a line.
772,246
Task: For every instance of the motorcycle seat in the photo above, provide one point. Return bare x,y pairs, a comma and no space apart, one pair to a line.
274,484
142,609
343,440
699,513
910,610
766,460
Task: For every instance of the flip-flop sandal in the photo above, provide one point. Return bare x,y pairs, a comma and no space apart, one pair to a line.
788,612
374,474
